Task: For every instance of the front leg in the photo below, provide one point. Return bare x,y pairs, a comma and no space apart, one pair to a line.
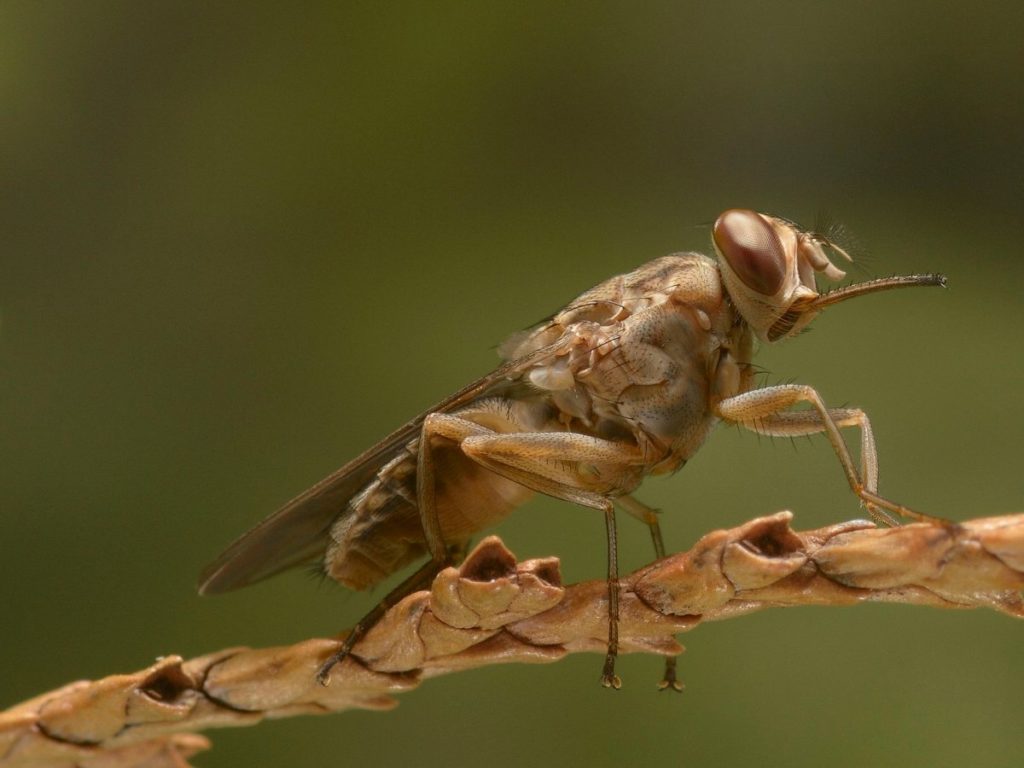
766,411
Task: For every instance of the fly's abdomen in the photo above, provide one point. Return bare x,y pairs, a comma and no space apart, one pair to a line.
381,531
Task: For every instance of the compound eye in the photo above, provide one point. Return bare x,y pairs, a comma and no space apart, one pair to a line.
752,249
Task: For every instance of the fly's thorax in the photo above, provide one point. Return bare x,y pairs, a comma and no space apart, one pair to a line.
643,356
692,277
657,379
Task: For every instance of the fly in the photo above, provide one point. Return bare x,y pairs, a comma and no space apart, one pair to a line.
626,381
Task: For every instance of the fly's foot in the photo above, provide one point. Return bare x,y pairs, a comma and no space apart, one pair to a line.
608,677
611,681
888,512
323,675
880,517
669,682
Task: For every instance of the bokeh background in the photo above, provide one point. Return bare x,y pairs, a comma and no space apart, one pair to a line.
240,242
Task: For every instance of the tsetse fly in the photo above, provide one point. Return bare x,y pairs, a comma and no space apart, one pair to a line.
626,381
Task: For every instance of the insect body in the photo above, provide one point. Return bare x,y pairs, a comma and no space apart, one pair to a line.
626,381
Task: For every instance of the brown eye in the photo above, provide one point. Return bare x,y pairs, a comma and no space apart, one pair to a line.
752,249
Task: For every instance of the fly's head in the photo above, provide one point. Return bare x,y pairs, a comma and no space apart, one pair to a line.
770,269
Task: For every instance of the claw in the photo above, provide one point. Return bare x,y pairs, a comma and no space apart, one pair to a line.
671,685
611,681
669,682
323,675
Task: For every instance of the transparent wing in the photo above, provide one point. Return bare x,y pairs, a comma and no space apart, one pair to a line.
295,534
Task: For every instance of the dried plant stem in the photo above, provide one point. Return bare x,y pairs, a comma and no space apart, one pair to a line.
493,610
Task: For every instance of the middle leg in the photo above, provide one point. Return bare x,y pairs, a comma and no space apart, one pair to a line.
579,468
649,516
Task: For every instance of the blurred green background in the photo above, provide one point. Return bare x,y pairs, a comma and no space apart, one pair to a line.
241,242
